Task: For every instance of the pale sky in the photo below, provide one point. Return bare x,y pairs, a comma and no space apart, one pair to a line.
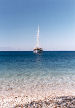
19,21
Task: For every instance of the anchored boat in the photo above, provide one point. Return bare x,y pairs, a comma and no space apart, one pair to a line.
37,49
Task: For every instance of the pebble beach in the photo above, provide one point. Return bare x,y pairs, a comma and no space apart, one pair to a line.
37,81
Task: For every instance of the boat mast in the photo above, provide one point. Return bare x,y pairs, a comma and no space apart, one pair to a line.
37,44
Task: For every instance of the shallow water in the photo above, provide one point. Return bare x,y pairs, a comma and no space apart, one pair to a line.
29,75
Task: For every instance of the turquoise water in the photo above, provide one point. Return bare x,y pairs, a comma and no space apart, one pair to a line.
29,72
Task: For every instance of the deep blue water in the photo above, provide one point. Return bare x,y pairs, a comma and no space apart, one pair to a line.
53,62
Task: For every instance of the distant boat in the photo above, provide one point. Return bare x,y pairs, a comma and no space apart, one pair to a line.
37,49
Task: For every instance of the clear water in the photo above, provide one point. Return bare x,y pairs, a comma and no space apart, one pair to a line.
25,73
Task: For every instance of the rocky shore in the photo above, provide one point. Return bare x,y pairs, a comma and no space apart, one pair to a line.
57,102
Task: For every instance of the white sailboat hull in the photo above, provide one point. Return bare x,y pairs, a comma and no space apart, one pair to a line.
37,50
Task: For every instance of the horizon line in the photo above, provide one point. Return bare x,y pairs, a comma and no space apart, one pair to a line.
30,50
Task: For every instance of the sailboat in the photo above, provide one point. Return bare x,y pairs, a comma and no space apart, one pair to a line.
37,49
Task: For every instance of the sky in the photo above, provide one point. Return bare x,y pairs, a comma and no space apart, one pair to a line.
19,21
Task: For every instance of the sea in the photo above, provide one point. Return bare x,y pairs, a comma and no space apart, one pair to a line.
27,76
